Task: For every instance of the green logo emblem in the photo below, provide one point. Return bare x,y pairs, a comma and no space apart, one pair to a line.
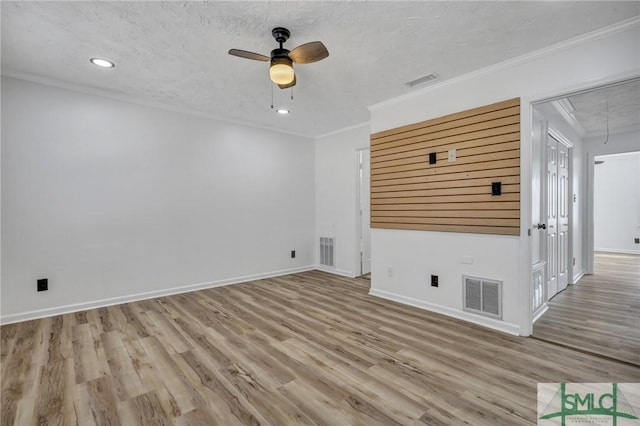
612,404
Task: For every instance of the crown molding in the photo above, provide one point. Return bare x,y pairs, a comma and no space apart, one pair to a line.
518,60
564,108
344,129
47,81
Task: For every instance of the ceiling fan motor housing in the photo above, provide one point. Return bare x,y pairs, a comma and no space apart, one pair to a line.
280,54
280,34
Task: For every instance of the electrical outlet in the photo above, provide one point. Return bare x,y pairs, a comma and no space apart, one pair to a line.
467,260
293,254
452,155
636,240
43,284
496,188
434,281
389,272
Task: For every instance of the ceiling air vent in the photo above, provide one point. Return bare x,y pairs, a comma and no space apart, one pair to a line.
422,80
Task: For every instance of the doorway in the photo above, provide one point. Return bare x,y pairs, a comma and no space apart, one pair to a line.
616,204
552,209
364,211
557,207
597,313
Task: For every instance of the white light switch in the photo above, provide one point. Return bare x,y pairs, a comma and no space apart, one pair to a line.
452,155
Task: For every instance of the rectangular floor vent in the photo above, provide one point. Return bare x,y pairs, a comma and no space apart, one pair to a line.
327,251
482,296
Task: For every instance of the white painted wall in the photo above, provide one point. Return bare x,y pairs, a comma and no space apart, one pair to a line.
113,201
617,203
599,58
593,147
414,256
617,144
336,187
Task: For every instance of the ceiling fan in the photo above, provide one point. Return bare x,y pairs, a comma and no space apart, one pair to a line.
282,60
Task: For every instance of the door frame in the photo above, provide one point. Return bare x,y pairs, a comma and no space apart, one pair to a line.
527,104
557,135
549,130
358,215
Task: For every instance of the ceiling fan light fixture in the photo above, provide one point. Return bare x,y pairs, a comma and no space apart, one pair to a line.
281,71
283,111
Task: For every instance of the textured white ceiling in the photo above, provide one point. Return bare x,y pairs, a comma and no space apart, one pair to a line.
175,53
616,108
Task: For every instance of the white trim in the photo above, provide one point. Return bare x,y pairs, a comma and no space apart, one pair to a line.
618,155
344,129
83,306
589,190
612,250
559,136
527,57
494,324
561,106
341,272
577,277
46,81
525,290
359,233
586,87
544,308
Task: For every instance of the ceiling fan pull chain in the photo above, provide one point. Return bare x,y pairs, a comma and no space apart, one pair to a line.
271,85
291,92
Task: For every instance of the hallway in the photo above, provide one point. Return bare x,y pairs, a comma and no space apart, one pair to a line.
601,314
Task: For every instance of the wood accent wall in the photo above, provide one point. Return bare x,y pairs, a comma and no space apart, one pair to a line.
409,193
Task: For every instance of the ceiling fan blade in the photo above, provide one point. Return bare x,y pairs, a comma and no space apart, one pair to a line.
248,55
309,52
286,86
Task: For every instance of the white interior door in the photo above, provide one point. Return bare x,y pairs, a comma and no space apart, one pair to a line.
557,216
563,216
364,191
552,217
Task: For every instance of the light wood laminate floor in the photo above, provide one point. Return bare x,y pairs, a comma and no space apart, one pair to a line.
601,313
309,348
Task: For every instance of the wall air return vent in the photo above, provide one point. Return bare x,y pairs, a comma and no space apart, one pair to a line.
482,296
327,251
422,80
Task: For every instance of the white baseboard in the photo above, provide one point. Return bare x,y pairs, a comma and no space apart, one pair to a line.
83,306
540,313
334,271
455,313
620,251
578,276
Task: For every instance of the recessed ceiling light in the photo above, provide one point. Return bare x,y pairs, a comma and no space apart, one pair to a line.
283,111
102,63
